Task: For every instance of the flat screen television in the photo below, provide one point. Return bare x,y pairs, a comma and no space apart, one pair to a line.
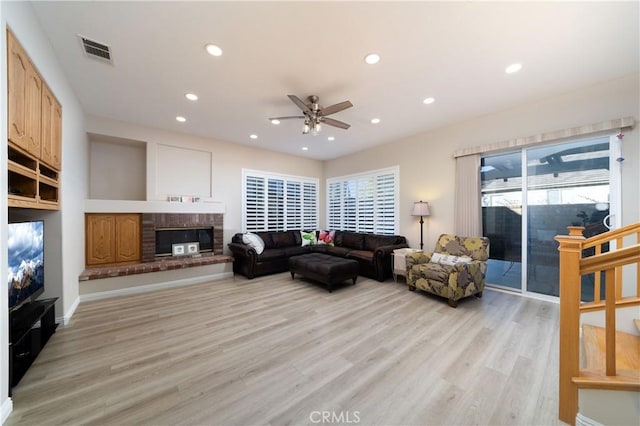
26,262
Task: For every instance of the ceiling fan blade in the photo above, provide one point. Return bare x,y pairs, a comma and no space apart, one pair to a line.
332,109
335,123
287,117
296,100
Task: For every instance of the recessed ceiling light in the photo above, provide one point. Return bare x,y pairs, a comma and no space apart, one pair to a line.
513,68
181,119
275,121
304,148
429,101
191,96
253,136
375,120
372,58
213,50
331,138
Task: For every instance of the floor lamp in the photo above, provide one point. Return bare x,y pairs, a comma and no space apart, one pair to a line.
420,208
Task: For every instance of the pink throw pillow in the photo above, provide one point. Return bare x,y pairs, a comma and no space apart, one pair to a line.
326,237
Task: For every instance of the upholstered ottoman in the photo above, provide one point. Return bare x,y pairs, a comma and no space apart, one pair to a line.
324,268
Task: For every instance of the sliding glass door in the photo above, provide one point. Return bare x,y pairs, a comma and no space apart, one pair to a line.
525,207
501,178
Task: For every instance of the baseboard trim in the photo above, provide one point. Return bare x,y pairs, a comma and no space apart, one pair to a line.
67,316
586,421
152,287
5,410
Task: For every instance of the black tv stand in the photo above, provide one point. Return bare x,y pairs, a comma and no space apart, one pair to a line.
30,328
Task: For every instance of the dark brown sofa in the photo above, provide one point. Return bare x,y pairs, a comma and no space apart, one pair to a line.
372,251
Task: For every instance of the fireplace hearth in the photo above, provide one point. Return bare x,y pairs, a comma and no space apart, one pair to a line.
160,231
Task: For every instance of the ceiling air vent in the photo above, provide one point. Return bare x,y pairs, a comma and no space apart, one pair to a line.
96,50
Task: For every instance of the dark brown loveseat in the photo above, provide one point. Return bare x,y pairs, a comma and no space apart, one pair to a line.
372,251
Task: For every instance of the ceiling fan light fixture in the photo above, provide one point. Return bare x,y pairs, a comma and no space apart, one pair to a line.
315,116
181,119
429,101
275,121
375,120
191,96
331,138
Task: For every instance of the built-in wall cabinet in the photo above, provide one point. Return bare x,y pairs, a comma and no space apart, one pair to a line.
112,239
34,123
51,144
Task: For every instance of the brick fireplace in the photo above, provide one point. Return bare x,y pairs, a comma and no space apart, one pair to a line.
152,222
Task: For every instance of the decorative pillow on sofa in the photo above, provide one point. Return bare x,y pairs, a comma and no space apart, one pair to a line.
254,241
308,238
326,237
447,259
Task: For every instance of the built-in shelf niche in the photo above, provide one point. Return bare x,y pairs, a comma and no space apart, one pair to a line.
117,168
31,183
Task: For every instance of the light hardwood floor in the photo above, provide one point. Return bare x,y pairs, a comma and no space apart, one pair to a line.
277,351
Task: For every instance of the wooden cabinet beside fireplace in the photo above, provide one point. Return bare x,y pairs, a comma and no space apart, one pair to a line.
112,238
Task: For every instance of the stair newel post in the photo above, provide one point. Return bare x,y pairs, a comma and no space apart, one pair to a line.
570,249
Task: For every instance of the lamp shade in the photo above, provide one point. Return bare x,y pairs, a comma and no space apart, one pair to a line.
420,208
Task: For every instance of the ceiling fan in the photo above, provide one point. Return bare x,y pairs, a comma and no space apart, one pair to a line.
315,115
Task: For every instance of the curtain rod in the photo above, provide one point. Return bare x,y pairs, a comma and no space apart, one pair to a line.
603,126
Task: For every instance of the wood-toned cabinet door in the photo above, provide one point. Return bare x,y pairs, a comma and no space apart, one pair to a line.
33,119
51,129
17,69
56,137
100,239
128,239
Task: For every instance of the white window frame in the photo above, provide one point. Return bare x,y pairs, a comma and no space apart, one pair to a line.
368,189
297,212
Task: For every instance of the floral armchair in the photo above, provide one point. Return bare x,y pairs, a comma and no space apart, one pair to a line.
455,269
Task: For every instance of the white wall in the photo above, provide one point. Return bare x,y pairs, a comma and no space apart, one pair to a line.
5,401
117,170
182,171
608,407
427,167
64,229
227,162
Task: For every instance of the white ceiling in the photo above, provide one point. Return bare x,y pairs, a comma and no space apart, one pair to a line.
455,52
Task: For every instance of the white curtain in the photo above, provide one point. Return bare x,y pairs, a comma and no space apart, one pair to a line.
468,211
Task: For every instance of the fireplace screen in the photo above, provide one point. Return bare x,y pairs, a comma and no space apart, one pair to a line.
166,238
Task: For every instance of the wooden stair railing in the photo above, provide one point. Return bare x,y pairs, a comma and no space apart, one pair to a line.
572,267
627,359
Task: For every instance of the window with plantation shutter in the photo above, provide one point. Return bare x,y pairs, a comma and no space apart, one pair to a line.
349,219
309,206
365,202
385,207
255,202
274,202
275,205
334,205
294,205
